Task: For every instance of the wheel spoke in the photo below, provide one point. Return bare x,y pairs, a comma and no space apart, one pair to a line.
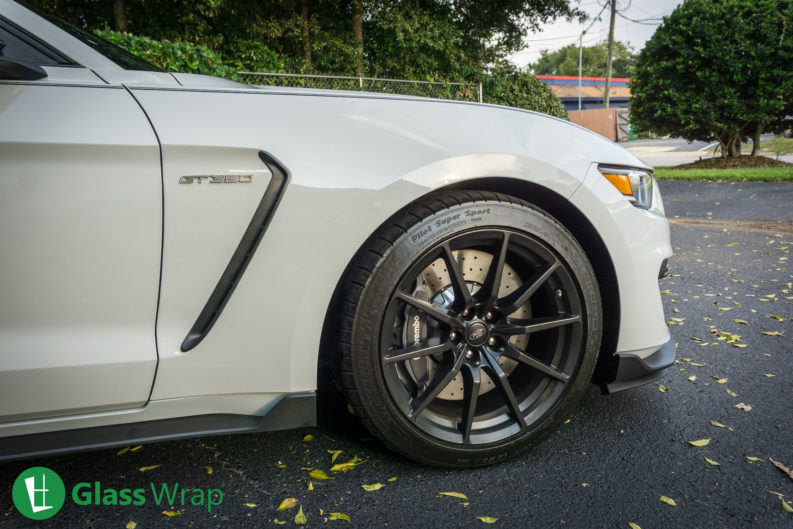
501,380
492,282
516,354
415,351
471,383
438,383
462,296
514,301
515,327
429,309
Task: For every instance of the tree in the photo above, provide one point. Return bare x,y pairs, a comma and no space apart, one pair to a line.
506,85
716,70
565,61
418,39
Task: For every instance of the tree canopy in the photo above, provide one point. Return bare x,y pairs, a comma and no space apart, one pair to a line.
717,69
594,59
449,39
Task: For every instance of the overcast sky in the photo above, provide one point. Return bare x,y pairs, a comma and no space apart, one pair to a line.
561,33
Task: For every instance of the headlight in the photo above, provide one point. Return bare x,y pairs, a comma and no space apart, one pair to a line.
635,184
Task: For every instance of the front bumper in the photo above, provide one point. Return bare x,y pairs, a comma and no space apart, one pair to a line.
633,370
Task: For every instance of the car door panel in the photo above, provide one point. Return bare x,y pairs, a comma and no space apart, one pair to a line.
81,235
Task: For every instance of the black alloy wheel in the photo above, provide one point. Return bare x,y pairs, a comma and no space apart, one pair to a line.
471,328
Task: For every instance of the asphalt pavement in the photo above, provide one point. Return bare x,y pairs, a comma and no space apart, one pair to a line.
729,304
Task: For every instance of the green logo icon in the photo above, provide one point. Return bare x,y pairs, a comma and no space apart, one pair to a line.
39,493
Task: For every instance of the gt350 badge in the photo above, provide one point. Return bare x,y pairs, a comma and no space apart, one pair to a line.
218,179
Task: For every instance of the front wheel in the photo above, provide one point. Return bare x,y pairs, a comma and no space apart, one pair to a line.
469,328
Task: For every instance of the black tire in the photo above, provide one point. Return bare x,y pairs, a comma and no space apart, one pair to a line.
516,363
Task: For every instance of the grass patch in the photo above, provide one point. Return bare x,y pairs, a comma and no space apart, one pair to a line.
754,174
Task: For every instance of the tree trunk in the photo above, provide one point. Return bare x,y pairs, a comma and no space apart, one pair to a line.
304,32
607,91
758,131
357,35
120,15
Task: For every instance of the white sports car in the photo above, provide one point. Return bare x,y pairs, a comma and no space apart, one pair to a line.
180,254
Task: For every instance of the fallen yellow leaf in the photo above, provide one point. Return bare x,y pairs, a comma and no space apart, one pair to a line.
287,503
718,424
208,470
454,495
339,516
773,333
633,525
251,505
486,519
699,442
308,438
300,517
786,506
171,514
144,469
712,462
392,479
131,525
334,455
373,486
123,451
318,474
752,458
668,501
731,393
692,378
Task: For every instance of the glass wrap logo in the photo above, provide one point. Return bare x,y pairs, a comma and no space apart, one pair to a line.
38,493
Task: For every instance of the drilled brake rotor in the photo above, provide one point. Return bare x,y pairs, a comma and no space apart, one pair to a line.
435,285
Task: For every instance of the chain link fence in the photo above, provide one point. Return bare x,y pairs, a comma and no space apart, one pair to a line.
437,90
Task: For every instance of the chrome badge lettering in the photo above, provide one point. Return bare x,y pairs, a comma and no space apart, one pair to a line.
218,179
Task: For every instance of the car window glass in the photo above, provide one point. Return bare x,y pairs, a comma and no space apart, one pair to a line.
14,46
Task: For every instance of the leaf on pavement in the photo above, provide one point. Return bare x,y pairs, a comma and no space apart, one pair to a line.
712,462
742,406
731,393
171,514
287,503
668,501
392,479
308,438
782,467
742,322
279,522
300,517
135,448
787,507
752,458
720,380
699,442
373,486
144,469
123,451
454,495
633,525
310,485
318,474
773,333
662,388
486,519
339,516
769,375
739,345
347,465
251,505
692,378
131,525
718,424
334,454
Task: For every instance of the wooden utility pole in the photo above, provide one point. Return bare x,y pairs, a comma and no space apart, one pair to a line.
610,55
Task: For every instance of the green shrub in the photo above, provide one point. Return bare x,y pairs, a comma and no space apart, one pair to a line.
171,56
508,86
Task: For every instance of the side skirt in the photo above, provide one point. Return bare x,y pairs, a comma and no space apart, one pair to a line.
296,410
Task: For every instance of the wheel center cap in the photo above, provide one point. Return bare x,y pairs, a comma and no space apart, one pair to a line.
477,334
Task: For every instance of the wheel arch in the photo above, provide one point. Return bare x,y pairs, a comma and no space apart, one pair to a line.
563,211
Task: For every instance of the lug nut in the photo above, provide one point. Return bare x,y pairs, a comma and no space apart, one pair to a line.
453,336
491,341
559,294
469,354
489,316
